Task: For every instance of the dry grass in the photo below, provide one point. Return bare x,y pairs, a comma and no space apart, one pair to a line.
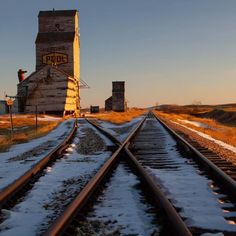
233,109
190,109
24,129
216,130
120,117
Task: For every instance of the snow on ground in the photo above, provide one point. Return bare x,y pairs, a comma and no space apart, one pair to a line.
49,118
122,131
190,191
222,144
6,116
54,190
21,157
122,207
43,118
195,123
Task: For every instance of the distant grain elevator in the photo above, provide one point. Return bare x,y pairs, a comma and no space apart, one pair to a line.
117,101
54,86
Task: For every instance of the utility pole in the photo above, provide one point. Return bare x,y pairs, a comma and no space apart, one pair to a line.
10,103
36,117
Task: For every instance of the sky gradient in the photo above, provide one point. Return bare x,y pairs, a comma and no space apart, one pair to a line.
167,51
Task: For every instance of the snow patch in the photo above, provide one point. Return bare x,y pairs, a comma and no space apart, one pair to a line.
195,123
121,132
11,170
49,118
122,205
222,144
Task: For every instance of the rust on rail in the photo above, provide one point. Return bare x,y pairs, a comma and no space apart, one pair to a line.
60,224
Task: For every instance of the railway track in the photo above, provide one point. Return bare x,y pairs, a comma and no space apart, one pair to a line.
10,194
157,164
225,165
183,175
148,152
47,193
66,223
86,163
224,171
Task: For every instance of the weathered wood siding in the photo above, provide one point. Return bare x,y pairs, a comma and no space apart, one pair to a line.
48,23
54,92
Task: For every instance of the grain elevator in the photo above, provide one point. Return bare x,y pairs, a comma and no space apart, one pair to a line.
54,86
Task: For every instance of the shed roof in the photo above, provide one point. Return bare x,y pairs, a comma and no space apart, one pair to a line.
45,68
109,99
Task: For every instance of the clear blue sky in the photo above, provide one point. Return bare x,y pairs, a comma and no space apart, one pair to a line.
167,51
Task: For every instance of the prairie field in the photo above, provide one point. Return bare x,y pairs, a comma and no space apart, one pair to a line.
209,126
24,128
224,114
119,117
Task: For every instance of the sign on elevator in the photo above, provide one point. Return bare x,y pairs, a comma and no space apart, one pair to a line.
55,58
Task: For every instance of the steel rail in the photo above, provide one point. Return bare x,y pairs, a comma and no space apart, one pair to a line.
162,201
226,181
113,139
15,187
59,225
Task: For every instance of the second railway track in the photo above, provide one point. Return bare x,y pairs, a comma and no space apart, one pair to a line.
205,206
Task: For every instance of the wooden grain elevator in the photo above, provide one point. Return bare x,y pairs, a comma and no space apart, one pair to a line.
54,86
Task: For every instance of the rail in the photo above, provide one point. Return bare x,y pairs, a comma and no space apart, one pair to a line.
60,224
226,181
160,198
22,181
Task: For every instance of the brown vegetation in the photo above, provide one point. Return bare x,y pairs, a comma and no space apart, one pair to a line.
120,117
215,129
221,119
189,109
223,116
196,108
24,129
